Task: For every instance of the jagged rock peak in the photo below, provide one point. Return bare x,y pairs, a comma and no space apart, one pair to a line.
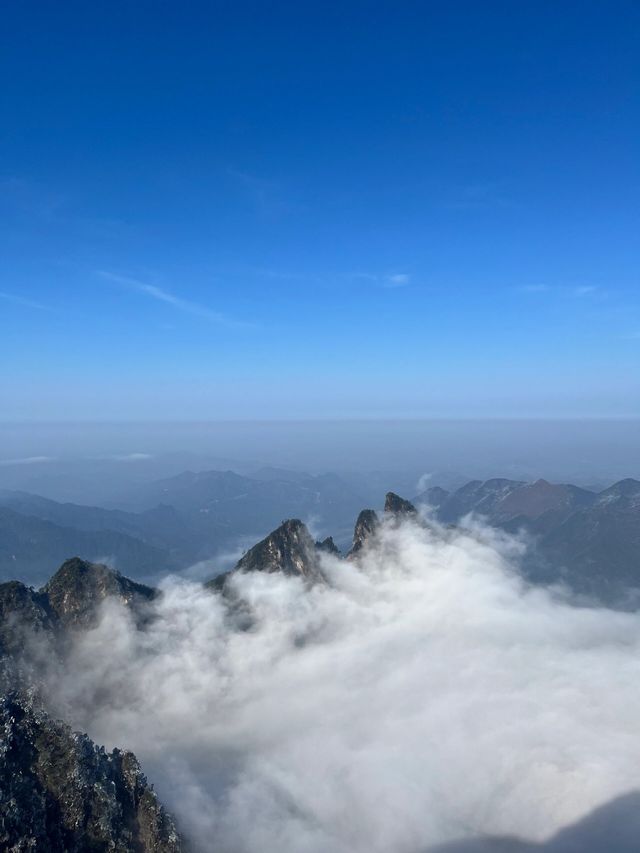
63,794
366,525
395,505
78,588
288,549
328,546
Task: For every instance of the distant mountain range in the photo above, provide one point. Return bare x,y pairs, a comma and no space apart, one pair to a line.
589,539
170,524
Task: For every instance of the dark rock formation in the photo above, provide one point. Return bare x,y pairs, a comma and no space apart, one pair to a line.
59,793
328,546
398,507
366,525
289,549
78,588
22,610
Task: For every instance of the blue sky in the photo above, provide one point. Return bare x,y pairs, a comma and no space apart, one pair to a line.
256,210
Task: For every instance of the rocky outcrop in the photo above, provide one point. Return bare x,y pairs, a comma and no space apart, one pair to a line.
398,507
60,793
78,588
289,550
328,546
366,525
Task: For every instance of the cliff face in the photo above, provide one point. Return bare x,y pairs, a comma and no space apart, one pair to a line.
59,793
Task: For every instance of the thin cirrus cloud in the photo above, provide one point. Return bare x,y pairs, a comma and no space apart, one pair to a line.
390,280
22,302
399,279
177,302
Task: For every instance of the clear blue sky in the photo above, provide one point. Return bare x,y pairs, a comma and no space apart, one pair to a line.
319,209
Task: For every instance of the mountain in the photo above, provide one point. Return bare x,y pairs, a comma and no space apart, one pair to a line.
78,588
160,526
366,526
396,506
289,549
60,793
590,540
29,546
219,507
69,600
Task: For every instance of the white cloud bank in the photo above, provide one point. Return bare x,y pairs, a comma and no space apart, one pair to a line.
426,695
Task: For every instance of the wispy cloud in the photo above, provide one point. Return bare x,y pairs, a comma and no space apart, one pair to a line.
398,279
585,290
387,280
24,303
177,302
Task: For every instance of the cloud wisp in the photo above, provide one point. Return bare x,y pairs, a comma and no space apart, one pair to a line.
425,694
15,299
177,302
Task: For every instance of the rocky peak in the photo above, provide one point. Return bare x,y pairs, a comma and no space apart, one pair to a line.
328,546
397,506
289,549
78,588
366,525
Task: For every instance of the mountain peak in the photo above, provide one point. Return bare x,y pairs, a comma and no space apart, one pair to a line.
78,588
289,549
328,546
395,505
366,525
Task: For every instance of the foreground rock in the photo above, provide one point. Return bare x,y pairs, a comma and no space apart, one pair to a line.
59,793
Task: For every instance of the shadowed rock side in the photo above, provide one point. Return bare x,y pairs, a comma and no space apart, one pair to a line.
59,793
396,506
366,525
22,609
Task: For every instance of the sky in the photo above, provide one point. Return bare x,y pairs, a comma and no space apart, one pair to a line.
312,210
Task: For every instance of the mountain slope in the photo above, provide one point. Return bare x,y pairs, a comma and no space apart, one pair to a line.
30,546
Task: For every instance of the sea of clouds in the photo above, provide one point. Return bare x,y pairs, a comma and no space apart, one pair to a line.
424,694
